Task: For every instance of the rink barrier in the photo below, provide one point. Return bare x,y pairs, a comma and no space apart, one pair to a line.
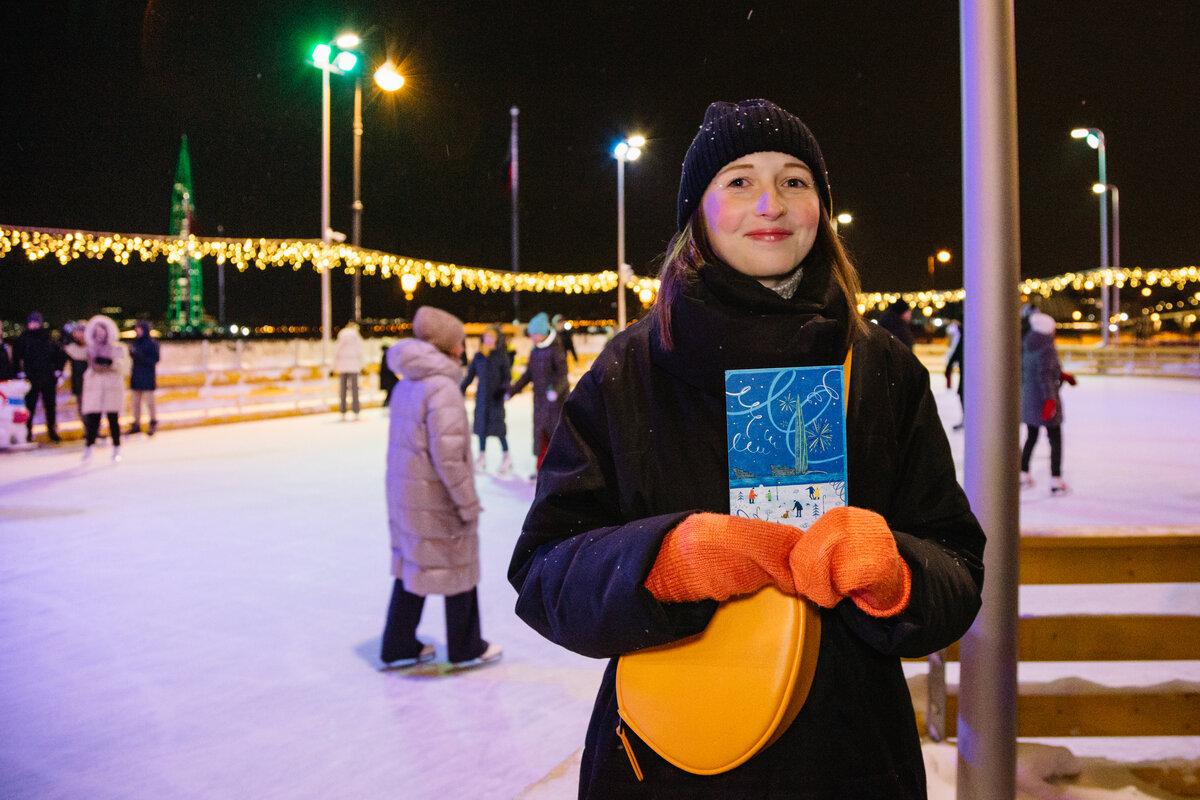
1076,556
202,383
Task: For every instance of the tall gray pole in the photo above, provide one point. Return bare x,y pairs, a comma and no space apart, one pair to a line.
621,243
1116,260
516,240
356,206
987,707
1105,299
326,303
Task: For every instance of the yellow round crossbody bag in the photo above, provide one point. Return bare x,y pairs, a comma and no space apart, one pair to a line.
710,702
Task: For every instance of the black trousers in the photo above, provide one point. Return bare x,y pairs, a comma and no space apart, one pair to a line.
463,639
1054,434
45,389
91,428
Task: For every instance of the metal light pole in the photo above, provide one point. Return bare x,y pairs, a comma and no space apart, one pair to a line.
1100,189
987,713
1095,140
629,149
516,239
943,256
344,62
356,205
326,291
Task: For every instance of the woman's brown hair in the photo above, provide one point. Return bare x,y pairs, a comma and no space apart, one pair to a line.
689,251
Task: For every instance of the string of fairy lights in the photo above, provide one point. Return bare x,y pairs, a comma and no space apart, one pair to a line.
66,246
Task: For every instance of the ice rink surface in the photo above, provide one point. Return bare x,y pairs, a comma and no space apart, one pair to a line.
202,620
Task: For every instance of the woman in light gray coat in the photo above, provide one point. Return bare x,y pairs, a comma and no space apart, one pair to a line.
433,510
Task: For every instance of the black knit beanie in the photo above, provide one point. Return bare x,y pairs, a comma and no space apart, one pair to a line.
733,130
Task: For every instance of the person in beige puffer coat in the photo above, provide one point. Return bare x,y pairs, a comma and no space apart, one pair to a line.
103,383
433,509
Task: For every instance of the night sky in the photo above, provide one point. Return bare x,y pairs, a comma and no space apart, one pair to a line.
98,93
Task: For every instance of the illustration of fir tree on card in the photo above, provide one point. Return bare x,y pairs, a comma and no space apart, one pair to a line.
787,442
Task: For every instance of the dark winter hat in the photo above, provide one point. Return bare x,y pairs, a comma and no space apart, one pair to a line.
440,328
34,317
898,306
733,130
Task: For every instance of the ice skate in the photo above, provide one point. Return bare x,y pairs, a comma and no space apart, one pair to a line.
116,455
506,464
481,462
153,427
1059,488
1026,480
491,654
87,453
134,428
427,654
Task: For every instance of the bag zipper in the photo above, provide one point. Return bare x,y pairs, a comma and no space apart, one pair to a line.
637,770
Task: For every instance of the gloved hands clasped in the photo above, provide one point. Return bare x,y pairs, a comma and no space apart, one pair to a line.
848,552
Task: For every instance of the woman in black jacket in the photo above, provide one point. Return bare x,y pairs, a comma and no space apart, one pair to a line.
615,554
492,368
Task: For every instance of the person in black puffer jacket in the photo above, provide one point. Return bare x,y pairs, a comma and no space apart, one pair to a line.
629,543
39,359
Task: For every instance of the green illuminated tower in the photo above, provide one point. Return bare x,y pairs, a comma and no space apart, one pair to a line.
185,311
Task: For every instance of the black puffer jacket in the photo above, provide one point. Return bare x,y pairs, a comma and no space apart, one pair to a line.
494,374
642,444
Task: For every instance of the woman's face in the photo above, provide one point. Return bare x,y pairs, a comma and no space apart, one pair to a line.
761,214
489,339
101,334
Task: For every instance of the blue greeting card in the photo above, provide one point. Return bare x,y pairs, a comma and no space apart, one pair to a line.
787,442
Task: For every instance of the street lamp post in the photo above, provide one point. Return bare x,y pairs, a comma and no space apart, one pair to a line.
1095,140
1101,189
629,149
343,63
942,256
389,80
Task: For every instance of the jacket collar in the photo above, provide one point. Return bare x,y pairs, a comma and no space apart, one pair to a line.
727,320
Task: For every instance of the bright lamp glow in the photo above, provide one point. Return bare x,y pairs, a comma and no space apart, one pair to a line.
629,149
347,41
320,54
943,256
844,218
1098,188
346,60
1079,133
388,78
1093,141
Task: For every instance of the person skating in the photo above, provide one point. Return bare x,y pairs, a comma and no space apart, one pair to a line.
38,359
491,367
1041,403
347,364
143,380
547,372
103,383
433,509
76,351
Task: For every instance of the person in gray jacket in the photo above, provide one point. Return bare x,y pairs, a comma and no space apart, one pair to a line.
433,509
1041,406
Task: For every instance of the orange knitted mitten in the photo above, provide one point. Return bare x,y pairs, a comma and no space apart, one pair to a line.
718,556
850,552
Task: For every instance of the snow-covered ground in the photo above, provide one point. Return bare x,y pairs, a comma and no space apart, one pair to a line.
202,620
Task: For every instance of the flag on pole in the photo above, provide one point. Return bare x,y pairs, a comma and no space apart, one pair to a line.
185,312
